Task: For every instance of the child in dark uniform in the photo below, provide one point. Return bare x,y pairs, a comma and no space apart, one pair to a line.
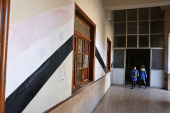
134,74
142,76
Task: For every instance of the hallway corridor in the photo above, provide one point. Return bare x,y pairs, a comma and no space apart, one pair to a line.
122,99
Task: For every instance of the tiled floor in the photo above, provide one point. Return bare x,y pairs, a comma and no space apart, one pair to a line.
123,99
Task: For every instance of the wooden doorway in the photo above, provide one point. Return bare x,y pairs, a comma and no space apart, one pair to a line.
4,11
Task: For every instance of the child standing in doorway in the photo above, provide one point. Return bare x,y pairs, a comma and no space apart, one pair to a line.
134,74
142,76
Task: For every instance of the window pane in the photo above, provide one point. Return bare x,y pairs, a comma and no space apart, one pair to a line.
86,61
144,41
144,14
132,41
82,28
157,26
158,59
118,58
157,40
119,15
120,41
120,28
132,27
80,46
132,14
79,61
157,13
79,76
144,27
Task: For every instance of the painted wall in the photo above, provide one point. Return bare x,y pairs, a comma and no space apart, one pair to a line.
87,100
39,65
157,78
118,76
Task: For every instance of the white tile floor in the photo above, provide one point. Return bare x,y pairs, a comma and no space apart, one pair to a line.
123,99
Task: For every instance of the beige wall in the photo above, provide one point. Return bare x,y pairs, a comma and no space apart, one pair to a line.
24,9
21,10
87,100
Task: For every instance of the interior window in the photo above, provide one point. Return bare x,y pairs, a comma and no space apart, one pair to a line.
81,52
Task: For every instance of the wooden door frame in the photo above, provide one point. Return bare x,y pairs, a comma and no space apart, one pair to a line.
109,68
5,9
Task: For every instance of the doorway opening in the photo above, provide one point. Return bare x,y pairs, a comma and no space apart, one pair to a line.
137,57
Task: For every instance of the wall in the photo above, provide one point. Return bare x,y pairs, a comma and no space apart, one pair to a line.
84,103
39,65
157,79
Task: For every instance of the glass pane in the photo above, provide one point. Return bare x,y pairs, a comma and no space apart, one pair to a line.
157,13
132,41
132,14
118,58
86,61
120,28
80,46
144,41
79,76
132,27
119,15
144,27
157,40
120,41
79,61
158,59
144,14
157,26
82,28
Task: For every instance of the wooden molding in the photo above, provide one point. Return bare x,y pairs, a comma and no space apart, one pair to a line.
5,9
81,11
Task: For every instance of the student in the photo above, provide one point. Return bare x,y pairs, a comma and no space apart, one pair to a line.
134,74
142,76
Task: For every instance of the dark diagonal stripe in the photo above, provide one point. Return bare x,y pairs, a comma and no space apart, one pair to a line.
100,60
22,96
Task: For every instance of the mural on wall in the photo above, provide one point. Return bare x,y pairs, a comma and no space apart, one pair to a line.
40,61
36,48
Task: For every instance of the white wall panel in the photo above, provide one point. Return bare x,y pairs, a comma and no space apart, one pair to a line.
118,76
157,78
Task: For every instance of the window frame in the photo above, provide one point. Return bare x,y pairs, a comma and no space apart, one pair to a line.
79,14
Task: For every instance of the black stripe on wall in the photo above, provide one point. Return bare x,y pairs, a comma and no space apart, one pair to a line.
22,96
100,60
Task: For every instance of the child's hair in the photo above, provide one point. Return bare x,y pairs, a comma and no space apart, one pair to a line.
143,66
134,67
